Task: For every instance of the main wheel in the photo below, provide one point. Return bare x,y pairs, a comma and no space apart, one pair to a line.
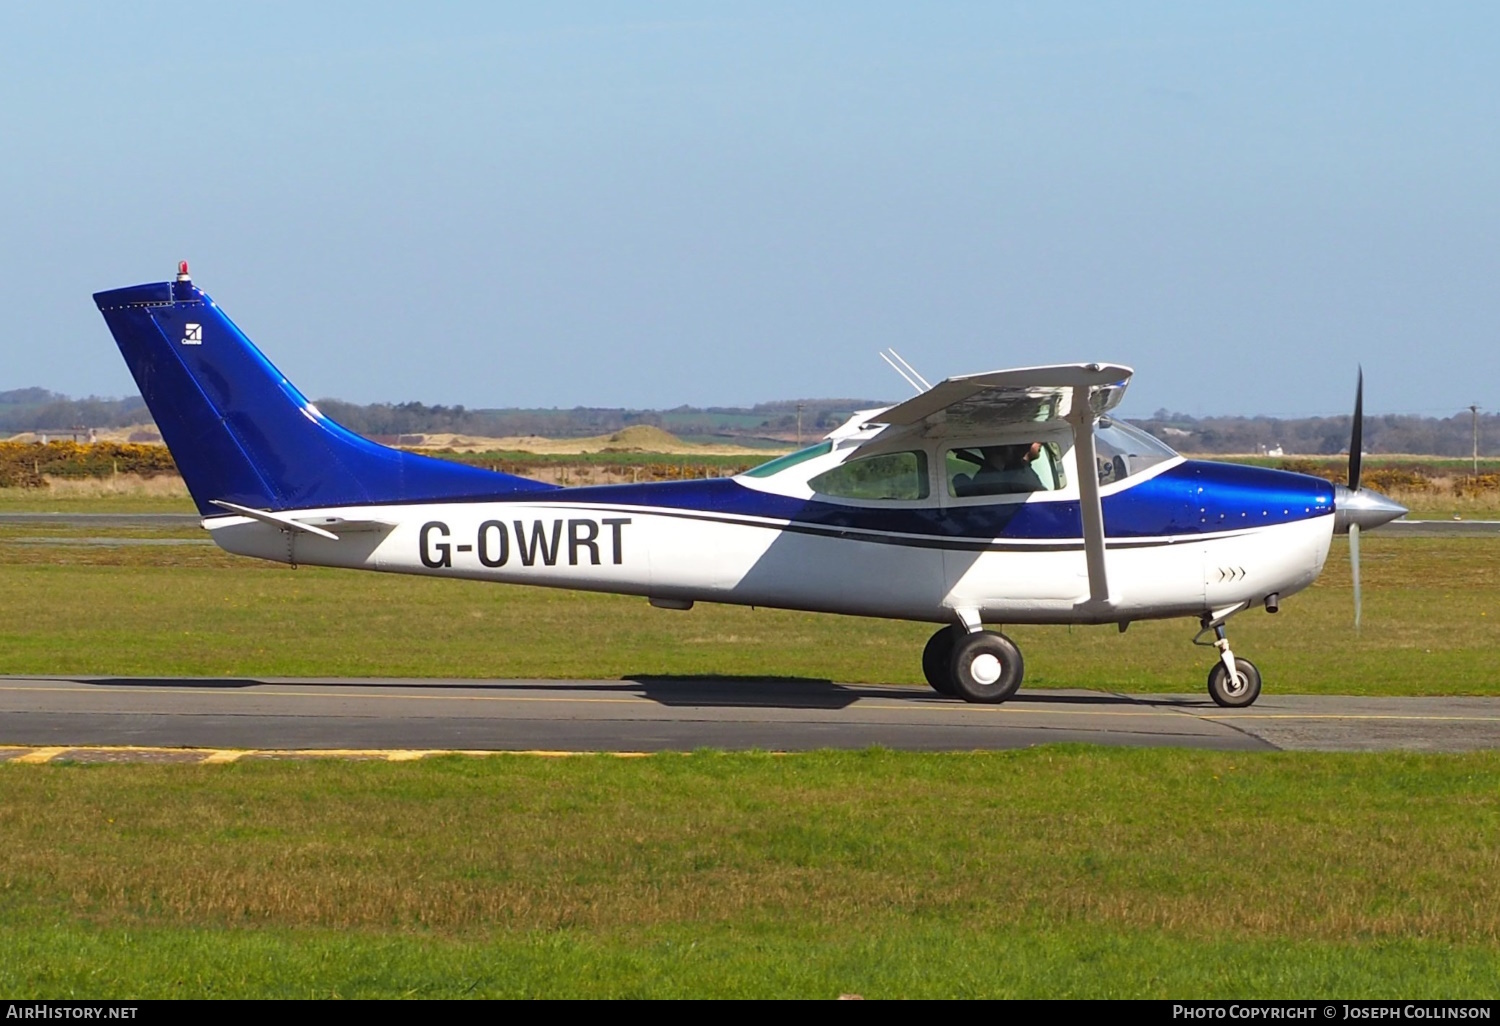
1238,693
986,667
938,656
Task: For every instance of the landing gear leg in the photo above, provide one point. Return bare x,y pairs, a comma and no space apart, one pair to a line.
1233,682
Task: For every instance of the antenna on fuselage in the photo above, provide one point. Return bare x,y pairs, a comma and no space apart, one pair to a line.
907,371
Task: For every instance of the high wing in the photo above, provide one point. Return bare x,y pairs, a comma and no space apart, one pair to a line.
1023,395
1075,392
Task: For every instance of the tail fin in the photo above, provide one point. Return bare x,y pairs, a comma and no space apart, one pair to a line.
241,433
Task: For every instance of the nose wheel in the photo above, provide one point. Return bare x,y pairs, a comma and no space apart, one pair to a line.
978,666
1234,692
1232,682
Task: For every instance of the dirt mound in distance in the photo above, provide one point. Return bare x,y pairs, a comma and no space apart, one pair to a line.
646,438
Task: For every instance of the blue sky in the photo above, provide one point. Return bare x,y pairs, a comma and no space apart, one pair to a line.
652,204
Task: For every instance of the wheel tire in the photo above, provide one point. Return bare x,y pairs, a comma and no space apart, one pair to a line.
1243,692
986,667
937,657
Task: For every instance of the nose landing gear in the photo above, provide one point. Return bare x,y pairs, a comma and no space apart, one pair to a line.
1232,682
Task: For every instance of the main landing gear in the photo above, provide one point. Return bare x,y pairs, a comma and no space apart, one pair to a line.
977,666
1233,682
986,666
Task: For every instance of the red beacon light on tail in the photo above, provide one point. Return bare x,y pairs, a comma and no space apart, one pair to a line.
182,271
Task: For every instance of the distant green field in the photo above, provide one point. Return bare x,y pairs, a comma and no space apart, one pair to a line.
1053,872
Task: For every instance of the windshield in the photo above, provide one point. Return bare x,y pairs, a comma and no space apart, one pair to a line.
1124,450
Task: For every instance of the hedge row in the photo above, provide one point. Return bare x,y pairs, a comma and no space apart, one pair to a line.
28,464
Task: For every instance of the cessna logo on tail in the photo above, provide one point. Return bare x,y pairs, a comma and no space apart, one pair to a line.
192,334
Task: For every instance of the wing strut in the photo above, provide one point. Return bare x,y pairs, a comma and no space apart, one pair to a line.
1081,418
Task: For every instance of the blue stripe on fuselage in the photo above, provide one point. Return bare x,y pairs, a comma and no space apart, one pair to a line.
1195,497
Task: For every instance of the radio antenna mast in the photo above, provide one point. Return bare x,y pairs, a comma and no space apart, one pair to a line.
907,371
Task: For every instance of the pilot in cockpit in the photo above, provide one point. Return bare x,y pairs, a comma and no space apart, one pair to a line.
1002,470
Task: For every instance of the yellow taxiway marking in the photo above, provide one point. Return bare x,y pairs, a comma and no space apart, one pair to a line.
221,756
225,756
40,755
916,706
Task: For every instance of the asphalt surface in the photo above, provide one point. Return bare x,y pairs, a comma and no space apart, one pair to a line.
681,714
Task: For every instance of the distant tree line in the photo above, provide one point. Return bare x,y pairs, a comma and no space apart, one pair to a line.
37,409
419,418
1322,436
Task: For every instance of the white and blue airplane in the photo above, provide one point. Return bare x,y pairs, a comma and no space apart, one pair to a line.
1010,497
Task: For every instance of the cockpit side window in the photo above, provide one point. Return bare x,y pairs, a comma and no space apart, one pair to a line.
1124,450
892,476
1012,469
791,459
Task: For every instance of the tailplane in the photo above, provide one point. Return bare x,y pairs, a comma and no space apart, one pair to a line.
241,432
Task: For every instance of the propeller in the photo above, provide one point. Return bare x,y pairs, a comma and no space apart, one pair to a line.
1356,463
1357,508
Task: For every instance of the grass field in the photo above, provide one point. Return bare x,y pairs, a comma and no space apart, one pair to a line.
1432,625
1050,872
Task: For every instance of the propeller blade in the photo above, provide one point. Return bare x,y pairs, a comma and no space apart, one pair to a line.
1354,569
1357,434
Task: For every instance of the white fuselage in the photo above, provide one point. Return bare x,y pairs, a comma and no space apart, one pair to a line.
678,555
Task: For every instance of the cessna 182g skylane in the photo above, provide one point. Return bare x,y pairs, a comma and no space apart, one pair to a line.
1007,497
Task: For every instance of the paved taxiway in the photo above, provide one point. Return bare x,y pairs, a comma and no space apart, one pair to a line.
666,714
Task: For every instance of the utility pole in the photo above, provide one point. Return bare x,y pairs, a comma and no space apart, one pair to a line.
799,426
1474,413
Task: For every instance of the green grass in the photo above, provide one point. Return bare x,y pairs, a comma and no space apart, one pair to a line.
896,960
1050,872
1432,626
35,500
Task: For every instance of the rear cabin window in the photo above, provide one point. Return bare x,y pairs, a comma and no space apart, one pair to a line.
893,476
1012,469
791,459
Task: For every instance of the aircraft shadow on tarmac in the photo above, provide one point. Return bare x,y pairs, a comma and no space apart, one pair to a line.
682,690
746,691
168,682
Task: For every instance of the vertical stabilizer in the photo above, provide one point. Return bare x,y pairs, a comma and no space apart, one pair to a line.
242,433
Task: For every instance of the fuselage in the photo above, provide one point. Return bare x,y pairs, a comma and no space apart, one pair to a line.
1184,537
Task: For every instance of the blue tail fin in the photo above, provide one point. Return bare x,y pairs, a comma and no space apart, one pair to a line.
241,432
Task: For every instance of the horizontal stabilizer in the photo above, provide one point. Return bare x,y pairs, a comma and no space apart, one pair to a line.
323,527
281,520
